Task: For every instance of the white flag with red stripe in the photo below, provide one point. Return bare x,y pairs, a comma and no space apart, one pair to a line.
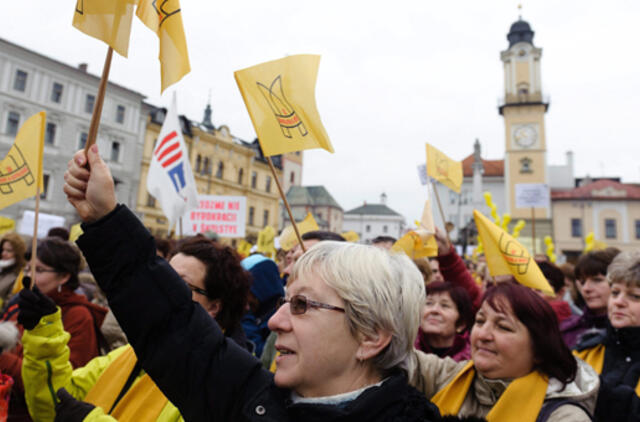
170,179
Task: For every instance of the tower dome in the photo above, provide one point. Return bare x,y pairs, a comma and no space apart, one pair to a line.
520,31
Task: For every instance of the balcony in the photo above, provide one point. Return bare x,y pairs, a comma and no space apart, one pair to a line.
523,99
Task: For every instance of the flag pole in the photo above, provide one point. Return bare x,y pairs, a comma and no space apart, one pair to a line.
34,240
444,220
286,203
97,108
533,230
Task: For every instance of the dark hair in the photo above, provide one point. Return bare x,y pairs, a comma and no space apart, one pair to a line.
459,296
225,279
165,246
322,235
553,274
595,263
551,355
62,256
383,239
60,232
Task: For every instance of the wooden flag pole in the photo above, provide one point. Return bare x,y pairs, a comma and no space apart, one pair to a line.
533,230
34,240
286,203
444,220
97,108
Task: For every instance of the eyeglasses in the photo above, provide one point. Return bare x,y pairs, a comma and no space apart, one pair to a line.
299,304
39,270
197,289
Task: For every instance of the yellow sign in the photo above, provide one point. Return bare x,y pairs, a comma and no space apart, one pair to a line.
288,237
280,98
506,256
443,169
21,169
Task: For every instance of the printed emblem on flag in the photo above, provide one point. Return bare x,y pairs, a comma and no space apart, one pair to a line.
15,169
282,109
162,13
515,254
80,7
169,155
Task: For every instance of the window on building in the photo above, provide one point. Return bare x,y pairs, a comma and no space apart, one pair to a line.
45,185
254,179
198,163
120,114
267,186
83,140
525,165
367,228
637,229
610,231
385,229
115,152
13,123
89,102
252,212
220,171
20,81
240,175
576,227
205,166
453,197
265,218
292,177
50,134
56,92
151,201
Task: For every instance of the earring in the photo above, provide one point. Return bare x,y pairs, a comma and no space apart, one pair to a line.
59,288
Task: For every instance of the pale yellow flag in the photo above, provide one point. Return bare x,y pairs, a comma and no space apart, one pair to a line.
75,232
414,245
288,237
244,248
21,169
280,97
426,229
165,19
7,225
108,21
506,256
444,169
351,236
266,242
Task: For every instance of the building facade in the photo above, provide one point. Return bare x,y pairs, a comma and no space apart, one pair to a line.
319,202
222,165
372,220
31,82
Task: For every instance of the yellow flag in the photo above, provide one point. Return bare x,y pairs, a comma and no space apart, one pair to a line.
75,232
413,244
244,248
506,256
7,225
108,21
288,237
21,169
351,236
266,242
165,19
280,98
444,169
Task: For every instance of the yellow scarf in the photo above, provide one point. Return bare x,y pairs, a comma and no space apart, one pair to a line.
143,401
595,357
521,400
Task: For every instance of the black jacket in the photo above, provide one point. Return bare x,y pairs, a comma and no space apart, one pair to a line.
206,376
617,399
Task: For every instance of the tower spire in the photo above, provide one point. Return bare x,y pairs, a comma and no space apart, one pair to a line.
206,120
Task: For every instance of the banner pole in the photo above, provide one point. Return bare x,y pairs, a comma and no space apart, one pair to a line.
533,230
444,220
97,108
34,239
286,203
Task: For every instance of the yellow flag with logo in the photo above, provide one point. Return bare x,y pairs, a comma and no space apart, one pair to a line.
506,256
7,225
415,245
266,242
108,21
280,97
244,248
165,19
444,169
21,169
288,238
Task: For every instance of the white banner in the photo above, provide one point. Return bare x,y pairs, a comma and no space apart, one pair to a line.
224,215
532,195
45,222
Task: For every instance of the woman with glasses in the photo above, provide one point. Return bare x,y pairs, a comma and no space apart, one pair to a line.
56,276
217,283
345,331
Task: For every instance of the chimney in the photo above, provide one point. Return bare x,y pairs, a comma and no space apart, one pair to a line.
83,67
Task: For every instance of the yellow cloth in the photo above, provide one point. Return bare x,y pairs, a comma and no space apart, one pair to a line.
506,256
595,357
17,285
351,236
108,21
444,169
280,98
288,238
266,242
165,19
7,225
75,232
143,401
416,244
244,248
21,169
521,401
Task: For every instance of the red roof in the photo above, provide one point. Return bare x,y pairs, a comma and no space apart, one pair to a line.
602,189
492,168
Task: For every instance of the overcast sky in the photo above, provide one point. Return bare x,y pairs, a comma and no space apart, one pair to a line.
393,76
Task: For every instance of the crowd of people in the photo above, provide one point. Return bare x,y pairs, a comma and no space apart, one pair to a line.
171,330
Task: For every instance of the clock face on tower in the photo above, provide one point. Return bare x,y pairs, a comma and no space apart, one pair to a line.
525,136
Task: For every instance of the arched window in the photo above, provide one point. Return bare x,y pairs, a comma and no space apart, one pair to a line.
205,166
240,175
198,163
525,165
220,172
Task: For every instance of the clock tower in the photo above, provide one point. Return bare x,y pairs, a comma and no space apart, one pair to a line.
523,109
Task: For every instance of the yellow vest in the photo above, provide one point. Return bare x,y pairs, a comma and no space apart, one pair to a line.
595,357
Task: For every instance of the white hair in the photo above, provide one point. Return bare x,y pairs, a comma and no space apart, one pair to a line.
382,291
625,268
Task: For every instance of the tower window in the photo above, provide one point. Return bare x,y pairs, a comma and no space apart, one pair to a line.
525,165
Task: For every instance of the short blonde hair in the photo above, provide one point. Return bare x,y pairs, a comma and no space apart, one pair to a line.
625,268
381,291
